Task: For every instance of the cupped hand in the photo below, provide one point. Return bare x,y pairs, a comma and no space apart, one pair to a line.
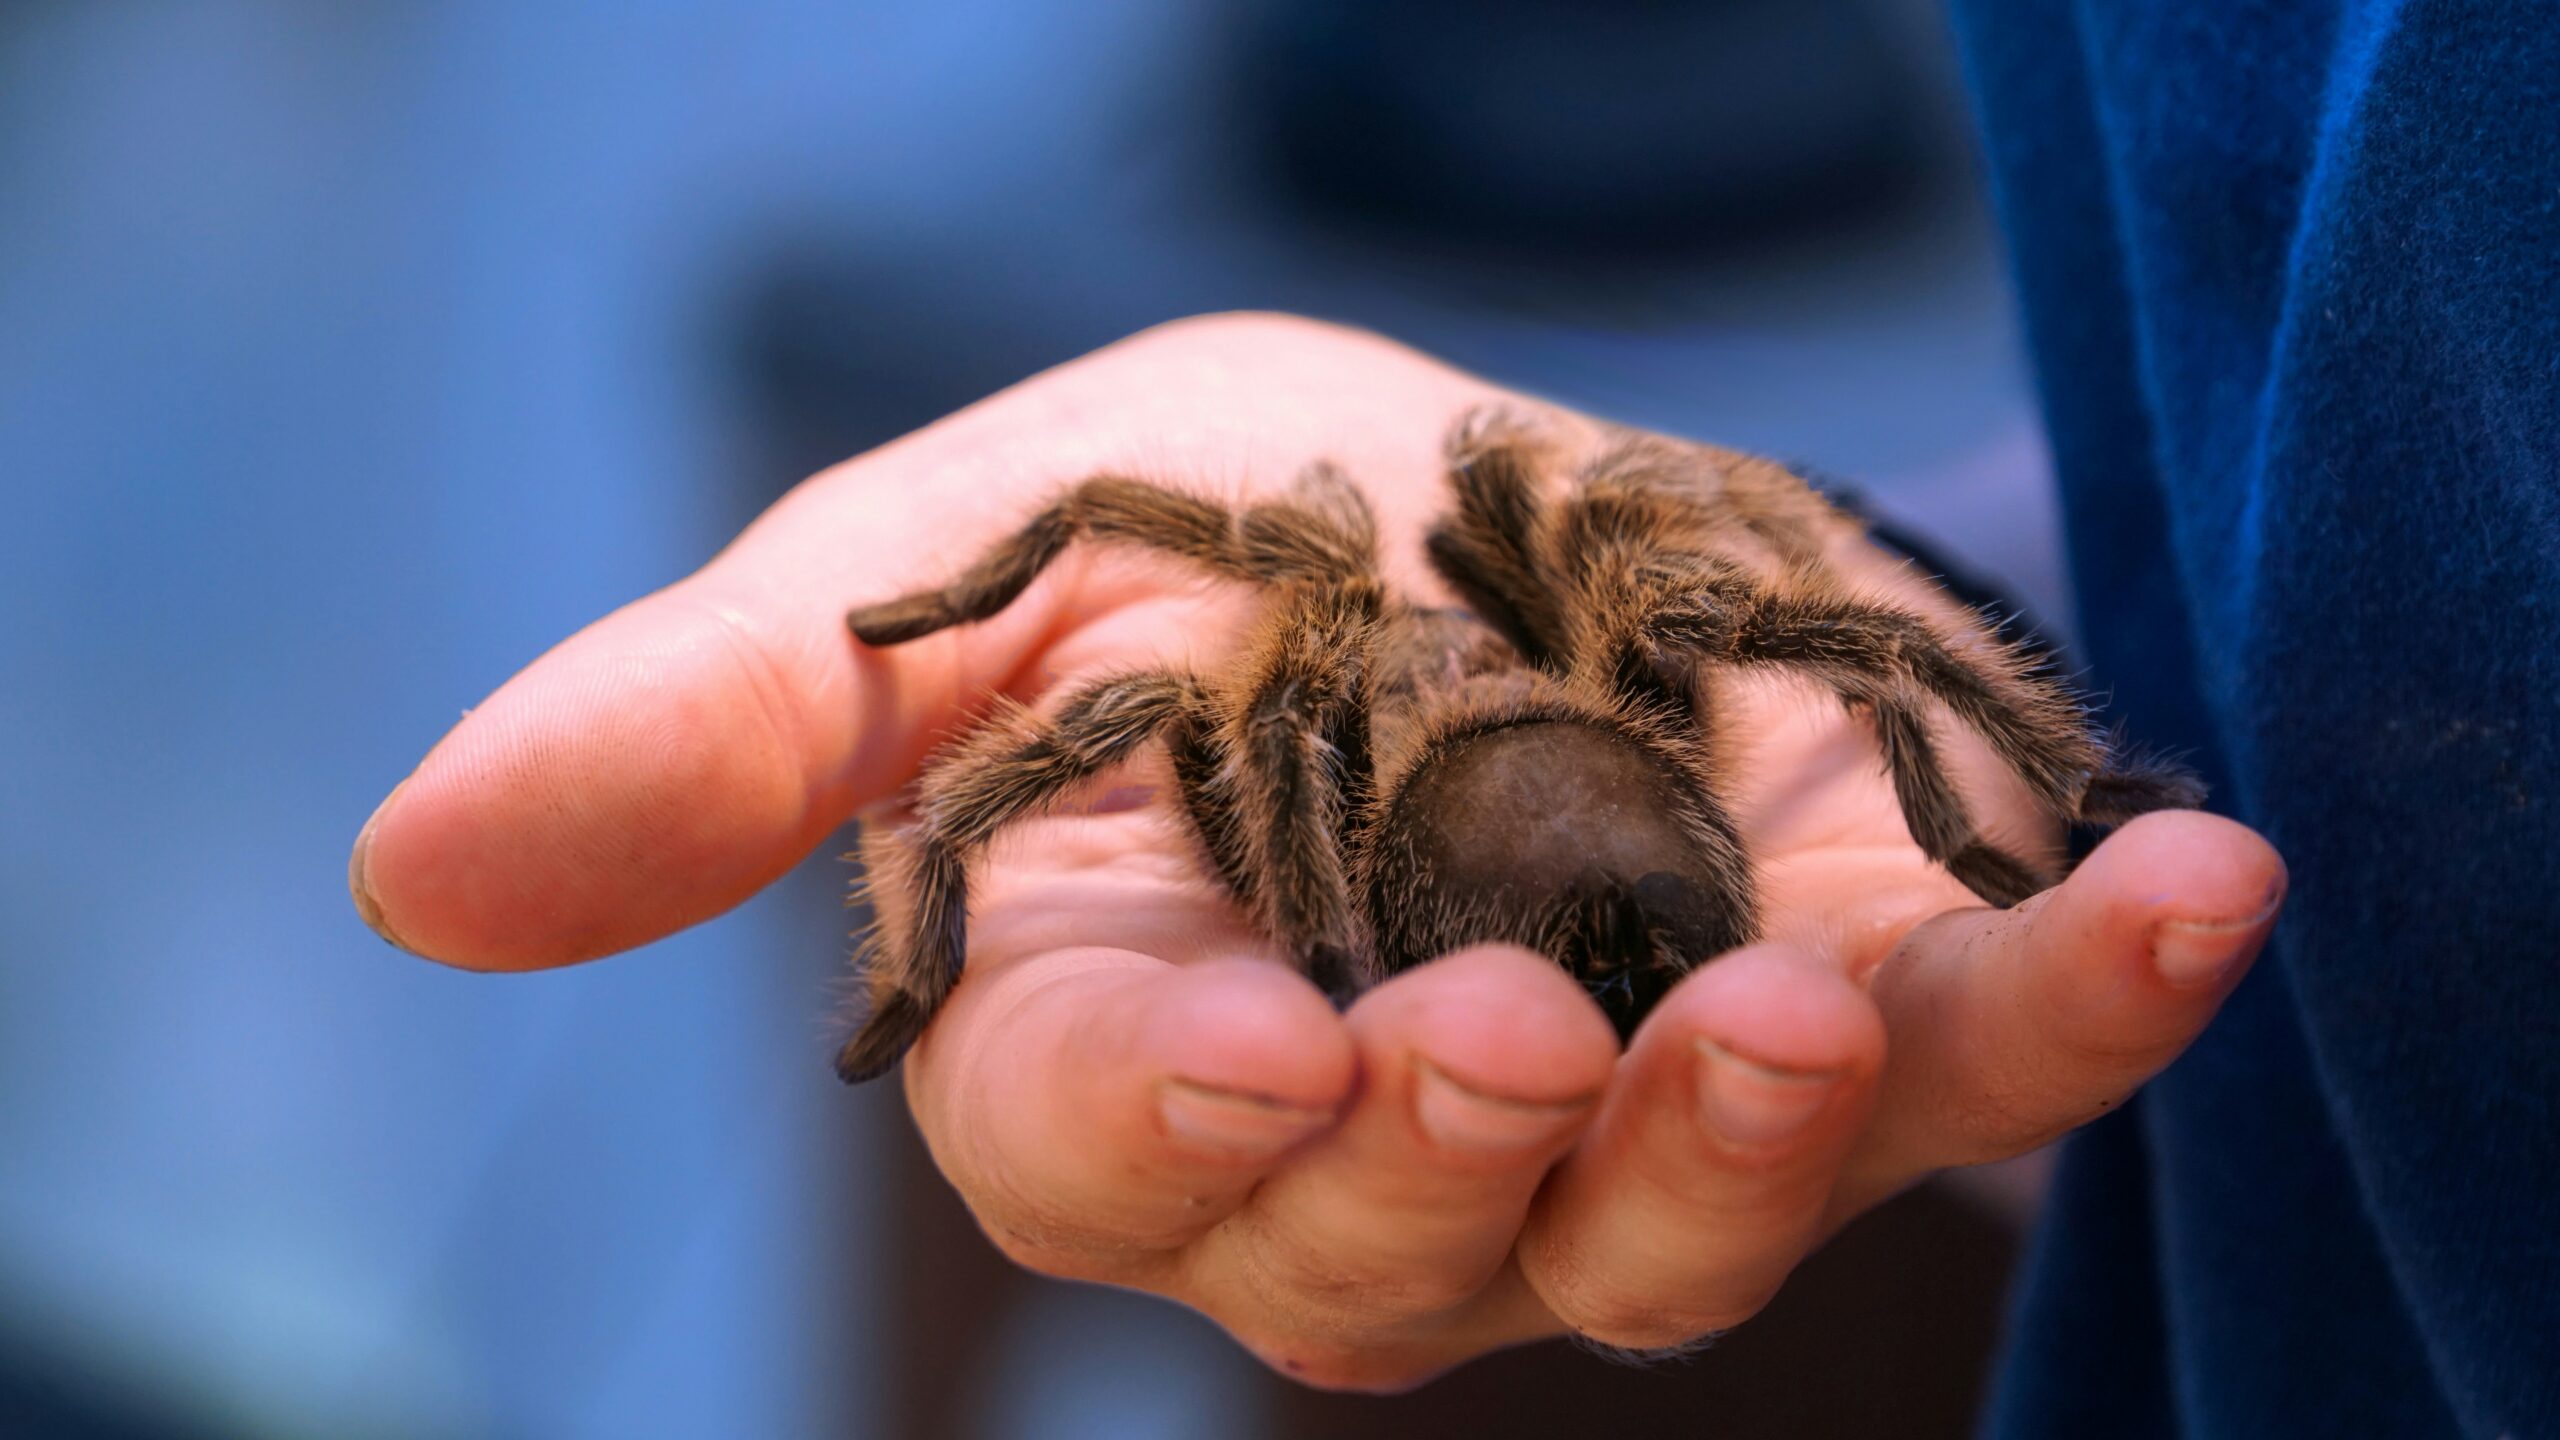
1128,1087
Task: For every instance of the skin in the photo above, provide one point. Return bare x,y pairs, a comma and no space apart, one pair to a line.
1126,1089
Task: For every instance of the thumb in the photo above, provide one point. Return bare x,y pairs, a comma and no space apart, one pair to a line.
2008,1028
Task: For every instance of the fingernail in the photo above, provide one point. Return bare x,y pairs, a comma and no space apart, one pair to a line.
369,909
1238,1124
2197,954
1749,1103
1463,1118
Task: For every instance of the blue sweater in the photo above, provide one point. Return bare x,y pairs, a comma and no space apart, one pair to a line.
2292,284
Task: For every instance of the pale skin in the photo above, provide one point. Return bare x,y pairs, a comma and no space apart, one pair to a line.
1130,1087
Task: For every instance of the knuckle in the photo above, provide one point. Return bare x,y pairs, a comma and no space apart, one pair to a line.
1046,1239
2112,1051
1242,327
1320,1293
1990,1108
1265,342
1341,1366
1736,1187
1623,1323
1740,1183
1984,1124
1422,1292
1605,1309
1046,1256
1333,1296
1998,1115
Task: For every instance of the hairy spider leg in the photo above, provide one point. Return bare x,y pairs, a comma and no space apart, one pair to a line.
1319,543
2039,729
1642,592
1884,661
1297,777
1273,541
1620,547
1208,794
2035,726
1013,766
1487,548
2133,783
1935,814
1693,486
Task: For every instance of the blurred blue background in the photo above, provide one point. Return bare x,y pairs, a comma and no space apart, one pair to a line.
352,354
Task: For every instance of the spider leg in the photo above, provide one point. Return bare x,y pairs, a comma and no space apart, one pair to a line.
2134,783
1330,539
1936,814
1657,498
1208,795
1322,493
1630,545
1297,772
1014,766
1776,504
1857,646
1487,549
1885,661
1659,609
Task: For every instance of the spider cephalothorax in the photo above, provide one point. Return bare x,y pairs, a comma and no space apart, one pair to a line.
1380,782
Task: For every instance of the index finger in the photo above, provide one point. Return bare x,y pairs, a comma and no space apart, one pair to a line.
666,763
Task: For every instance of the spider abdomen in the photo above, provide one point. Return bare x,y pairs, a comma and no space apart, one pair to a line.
1582,838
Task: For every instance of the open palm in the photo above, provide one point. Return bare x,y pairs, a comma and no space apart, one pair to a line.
1127,1088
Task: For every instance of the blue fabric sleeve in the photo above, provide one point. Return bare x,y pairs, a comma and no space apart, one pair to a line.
2291,276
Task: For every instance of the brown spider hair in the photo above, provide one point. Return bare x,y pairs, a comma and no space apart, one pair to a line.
1379,782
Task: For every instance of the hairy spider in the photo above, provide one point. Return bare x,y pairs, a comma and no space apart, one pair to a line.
1380,782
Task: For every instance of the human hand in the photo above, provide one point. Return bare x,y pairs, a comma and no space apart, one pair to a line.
1127,1089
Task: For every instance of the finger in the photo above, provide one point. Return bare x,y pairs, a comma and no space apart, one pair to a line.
666,762
662,765
1704,1179
2011,1027
1099,1109
1477,1072
658,768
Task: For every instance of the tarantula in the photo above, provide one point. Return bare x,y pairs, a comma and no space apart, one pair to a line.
1379,782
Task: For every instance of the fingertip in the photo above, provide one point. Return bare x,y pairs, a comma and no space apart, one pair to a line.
1098,1107
2012,1027
629,784
360,885
1777,1006
1477,1071
1700,1185
1245,1026
1501,1019
2184,866
2185,896
1105,1027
